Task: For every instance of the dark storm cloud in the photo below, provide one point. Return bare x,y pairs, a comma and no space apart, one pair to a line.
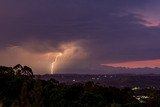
113,32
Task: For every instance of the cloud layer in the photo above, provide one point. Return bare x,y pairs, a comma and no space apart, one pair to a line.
103,32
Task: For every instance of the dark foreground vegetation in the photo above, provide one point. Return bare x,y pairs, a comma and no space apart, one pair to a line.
19,88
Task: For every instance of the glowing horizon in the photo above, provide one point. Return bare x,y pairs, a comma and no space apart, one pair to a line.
137,64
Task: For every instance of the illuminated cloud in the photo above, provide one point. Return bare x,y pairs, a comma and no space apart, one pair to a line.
40,62
73,58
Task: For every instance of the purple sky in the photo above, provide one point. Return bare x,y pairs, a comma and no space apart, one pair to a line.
87,32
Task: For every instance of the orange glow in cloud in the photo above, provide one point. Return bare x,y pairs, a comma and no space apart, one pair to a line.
43,62
137,64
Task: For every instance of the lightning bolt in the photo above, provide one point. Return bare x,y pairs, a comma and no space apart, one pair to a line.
53,63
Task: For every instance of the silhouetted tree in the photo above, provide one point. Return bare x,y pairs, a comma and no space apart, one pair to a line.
6,70
27,71
20,70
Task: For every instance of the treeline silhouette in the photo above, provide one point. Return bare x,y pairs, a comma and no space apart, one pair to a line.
20,88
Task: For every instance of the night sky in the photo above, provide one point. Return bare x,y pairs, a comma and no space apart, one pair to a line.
79,36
